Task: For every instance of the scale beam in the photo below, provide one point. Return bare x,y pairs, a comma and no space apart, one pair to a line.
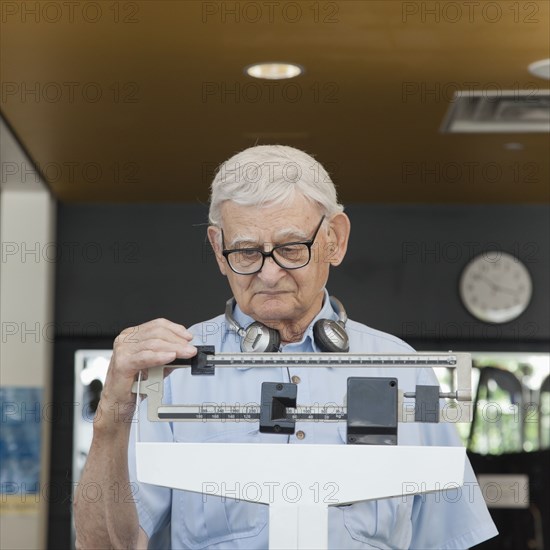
206,361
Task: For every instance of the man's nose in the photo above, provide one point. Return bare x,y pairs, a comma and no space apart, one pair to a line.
271,272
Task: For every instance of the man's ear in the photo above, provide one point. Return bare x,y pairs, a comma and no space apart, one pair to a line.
214,236
337,242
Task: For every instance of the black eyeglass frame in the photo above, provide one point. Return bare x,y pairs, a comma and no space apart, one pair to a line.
308,243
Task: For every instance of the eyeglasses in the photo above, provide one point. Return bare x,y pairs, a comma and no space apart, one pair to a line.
248,261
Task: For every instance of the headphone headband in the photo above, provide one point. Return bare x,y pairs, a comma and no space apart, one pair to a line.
229,305
340,311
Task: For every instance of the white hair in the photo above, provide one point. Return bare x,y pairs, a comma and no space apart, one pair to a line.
267,175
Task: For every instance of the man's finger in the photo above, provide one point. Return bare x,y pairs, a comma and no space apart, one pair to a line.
176,328
182,348
162,333
148,358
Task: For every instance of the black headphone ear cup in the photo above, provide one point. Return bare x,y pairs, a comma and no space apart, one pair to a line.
330,336
260,338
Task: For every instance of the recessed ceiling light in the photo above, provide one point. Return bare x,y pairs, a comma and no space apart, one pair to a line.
274,71
540,69
514,146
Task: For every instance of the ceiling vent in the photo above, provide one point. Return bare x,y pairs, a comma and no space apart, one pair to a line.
498,111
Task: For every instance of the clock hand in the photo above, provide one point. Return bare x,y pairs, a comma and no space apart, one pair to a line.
497,288
506,289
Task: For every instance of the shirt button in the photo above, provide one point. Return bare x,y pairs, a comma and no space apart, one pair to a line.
300,434
296,379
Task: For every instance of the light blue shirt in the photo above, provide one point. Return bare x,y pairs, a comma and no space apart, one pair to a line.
452,519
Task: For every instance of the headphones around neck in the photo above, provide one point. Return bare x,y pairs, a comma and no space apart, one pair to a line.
329,335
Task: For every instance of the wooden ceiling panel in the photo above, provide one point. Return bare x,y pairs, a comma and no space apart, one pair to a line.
140,102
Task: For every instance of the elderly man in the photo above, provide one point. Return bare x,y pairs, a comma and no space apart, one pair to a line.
276,229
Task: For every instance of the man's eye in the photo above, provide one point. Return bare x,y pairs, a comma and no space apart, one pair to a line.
292,251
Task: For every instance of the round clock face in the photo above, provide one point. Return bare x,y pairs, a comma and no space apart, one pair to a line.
495,288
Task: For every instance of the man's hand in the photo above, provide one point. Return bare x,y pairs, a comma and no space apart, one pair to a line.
135,349
109,522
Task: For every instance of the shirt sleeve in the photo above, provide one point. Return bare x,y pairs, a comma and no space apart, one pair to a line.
456,517
153,502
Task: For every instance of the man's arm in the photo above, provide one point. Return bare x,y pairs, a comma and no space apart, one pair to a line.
107,521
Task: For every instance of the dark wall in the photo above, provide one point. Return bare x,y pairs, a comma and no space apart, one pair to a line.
119,265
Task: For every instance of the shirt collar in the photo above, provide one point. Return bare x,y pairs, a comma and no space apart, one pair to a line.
307,343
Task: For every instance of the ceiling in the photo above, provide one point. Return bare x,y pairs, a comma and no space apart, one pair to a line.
139,101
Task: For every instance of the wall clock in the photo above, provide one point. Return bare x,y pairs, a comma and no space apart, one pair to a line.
495,287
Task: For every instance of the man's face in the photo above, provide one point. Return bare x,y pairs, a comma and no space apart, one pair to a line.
284,299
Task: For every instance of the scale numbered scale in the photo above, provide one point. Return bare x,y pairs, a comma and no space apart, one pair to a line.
371,426
251,413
